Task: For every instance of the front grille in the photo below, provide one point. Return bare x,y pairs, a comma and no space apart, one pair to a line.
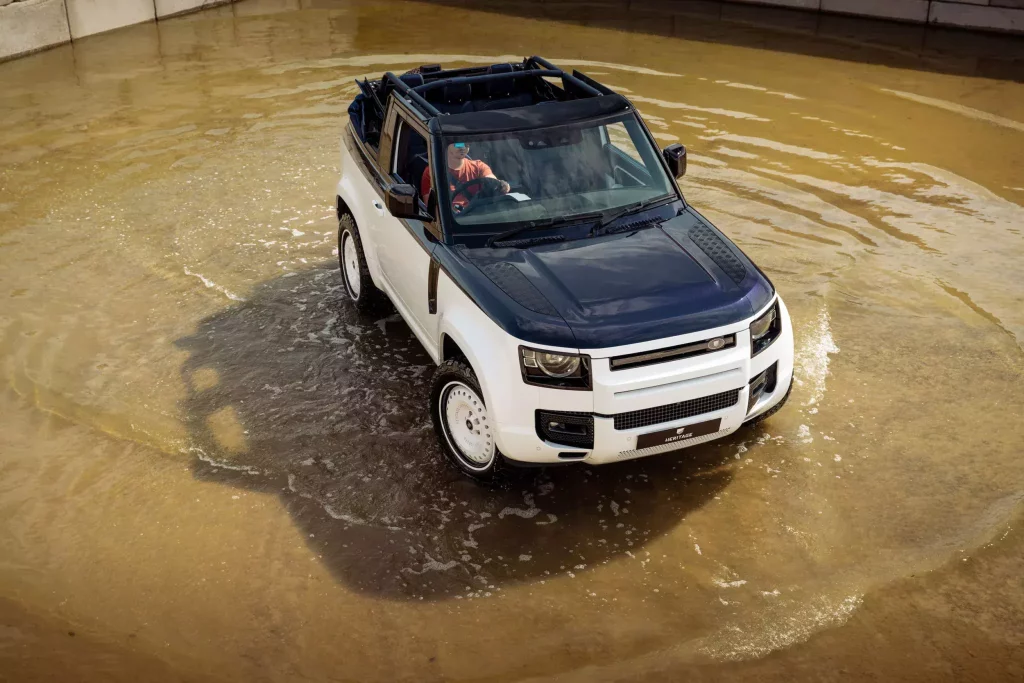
565,428
677,411
636,360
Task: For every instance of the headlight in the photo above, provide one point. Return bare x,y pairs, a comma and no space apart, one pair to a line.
561,370
765,330
551,364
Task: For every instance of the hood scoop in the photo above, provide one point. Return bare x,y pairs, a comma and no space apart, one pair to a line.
712,245
511,280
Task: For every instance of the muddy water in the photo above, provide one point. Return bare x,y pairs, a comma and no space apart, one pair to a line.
210,466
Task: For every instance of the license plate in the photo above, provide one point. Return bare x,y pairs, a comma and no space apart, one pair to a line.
677,434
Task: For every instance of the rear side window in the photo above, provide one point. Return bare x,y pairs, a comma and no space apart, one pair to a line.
410,161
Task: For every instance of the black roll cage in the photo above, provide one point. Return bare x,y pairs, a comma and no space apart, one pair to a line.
410,99
575,84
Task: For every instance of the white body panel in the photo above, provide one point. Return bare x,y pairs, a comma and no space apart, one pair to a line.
399,266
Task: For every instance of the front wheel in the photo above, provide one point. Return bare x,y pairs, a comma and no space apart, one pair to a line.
354,272
464,427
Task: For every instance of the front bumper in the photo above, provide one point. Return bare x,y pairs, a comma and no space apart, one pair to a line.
651,393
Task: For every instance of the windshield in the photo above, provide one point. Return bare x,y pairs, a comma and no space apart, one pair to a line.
552,173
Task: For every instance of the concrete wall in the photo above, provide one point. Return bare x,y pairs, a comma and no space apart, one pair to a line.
31,25
988,15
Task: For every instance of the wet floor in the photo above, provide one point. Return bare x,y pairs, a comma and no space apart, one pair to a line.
211,468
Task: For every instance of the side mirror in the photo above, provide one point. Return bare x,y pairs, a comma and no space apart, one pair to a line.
401,202
675,157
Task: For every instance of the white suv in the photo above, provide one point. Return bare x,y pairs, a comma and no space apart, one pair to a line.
577,307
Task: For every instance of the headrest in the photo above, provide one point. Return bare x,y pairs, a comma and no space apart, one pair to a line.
500,87
412,80
457,93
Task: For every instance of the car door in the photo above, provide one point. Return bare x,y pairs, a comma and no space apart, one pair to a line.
404,246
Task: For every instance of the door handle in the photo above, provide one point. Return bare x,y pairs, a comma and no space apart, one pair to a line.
380,207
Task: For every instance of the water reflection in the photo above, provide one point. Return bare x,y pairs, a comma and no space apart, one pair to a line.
166,238
777,29
291,393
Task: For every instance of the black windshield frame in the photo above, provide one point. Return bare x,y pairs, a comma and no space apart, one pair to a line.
452,230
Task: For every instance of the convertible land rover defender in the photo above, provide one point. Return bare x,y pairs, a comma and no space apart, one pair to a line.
527,228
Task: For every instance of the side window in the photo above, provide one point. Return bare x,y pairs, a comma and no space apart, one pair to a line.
631,166
619,138
410,160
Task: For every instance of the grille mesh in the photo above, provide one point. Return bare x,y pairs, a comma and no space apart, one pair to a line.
677,411
584,420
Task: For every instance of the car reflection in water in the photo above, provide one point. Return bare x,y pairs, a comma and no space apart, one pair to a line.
292,393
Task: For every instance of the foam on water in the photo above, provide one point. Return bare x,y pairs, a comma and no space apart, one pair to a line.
210,284
812,359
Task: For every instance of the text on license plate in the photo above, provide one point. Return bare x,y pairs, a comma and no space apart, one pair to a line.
666,436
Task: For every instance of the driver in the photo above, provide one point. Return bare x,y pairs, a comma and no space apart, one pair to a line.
462,169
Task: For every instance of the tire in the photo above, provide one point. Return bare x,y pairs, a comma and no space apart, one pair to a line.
355,274
774,409
468,443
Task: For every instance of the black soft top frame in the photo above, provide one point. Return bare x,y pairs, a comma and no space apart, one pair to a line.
531,117
579,96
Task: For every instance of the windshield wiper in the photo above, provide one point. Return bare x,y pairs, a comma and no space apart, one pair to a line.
540,225
624,211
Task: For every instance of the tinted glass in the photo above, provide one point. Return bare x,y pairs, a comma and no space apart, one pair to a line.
497,180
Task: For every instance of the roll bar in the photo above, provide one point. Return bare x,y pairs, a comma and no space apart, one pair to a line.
484,78
532,67
403,87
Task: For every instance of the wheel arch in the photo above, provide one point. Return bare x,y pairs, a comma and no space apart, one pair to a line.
456,344
451,348
342,207
486,348
349,201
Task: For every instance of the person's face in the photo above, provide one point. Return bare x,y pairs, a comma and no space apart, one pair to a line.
458,151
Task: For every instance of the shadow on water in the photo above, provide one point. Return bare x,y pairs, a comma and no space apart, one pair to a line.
293,393
847,38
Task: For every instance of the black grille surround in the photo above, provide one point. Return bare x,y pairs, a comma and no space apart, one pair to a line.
637,360
676,411
575,430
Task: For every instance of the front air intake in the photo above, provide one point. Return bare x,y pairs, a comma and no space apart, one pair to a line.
677,411
565,428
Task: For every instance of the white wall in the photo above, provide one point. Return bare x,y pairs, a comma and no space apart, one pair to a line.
31,25
990,15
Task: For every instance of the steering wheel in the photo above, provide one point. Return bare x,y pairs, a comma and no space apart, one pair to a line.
489,188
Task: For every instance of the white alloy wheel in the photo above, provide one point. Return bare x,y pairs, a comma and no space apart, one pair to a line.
350,259
466,426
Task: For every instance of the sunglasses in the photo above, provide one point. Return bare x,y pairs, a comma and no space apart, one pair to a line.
461,145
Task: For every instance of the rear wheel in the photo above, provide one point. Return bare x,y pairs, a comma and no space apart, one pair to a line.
464,427
354,272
